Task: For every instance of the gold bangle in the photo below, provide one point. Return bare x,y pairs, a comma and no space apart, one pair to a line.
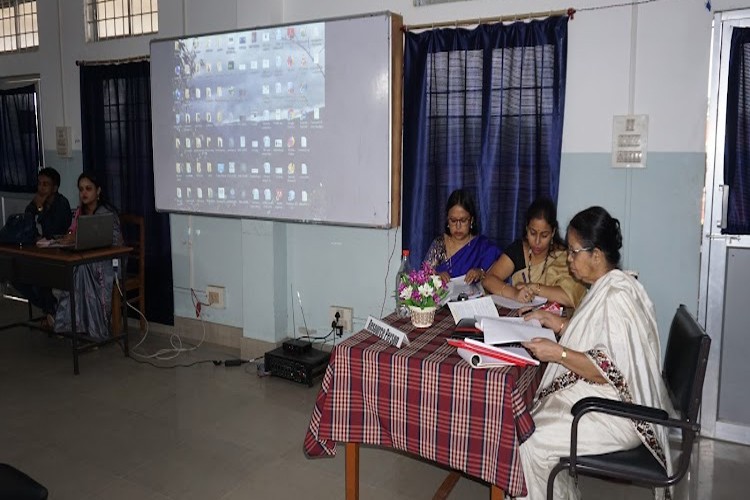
564,355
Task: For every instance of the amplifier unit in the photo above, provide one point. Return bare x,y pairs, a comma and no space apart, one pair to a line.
298,367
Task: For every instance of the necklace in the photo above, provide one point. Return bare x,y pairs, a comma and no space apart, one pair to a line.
544,267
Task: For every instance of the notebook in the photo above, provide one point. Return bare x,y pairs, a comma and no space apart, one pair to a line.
94,231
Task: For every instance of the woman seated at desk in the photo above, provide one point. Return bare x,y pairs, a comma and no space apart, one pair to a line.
609,349
537,263
93,281
461,250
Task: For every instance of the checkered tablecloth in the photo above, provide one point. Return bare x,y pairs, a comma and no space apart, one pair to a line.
424,399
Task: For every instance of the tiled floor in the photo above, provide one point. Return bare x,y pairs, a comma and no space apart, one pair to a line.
123,430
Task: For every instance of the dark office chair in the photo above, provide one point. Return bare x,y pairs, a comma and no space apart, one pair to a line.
683,373
16,485
133,282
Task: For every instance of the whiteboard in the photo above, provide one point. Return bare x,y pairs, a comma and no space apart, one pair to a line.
291,122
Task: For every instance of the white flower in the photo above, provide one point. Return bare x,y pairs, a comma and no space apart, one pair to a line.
406,293
437,281
426,290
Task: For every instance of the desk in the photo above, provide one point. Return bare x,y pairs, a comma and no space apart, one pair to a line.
425,400
53,267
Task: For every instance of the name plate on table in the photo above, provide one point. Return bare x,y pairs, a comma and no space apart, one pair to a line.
389,333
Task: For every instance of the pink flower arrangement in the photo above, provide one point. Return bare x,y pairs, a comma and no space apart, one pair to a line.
422,288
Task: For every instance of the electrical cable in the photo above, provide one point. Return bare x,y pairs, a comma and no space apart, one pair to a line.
387,271
178,347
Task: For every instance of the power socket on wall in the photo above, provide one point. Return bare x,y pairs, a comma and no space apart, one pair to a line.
346,316
215,295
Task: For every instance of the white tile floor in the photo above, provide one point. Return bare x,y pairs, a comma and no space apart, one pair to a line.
123,430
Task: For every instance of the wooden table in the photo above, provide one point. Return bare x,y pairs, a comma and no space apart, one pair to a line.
54,268
425,400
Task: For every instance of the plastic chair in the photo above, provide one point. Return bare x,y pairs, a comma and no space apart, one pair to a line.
683,373
133,280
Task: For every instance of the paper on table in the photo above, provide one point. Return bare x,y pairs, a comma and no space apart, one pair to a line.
500,331
472,308
480,361
458,285
514,304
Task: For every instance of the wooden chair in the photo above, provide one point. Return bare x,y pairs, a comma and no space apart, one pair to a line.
133,280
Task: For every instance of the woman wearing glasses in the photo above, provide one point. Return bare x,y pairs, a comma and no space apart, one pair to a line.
537,263
608,349
461,250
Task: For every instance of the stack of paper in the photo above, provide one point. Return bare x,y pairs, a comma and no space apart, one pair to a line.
501,342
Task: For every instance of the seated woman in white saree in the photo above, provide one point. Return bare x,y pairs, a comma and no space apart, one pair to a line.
609,348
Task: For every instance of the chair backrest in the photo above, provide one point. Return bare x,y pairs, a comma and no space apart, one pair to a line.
685,363
134,235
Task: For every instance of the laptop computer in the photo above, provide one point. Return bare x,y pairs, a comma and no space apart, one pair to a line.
94,231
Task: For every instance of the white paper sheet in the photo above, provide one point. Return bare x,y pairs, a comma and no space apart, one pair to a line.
458,285
472,308
501,331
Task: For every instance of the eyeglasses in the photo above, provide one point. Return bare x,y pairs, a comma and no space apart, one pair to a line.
459,222
573,253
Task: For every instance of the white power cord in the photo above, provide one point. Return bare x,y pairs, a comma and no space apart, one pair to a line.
174,339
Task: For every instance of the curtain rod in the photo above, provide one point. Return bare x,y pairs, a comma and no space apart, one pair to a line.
498,19
113,61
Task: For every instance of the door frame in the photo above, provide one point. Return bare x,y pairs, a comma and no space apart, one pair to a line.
714,245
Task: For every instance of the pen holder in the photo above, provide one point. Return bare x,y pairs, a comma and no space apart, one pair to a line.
422,318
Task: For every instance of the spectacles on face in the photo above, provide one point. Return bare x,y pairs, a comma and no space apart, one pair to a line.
459,222
574,253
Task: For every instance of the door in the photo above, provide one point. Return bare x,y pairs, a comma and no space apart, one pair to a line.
725,247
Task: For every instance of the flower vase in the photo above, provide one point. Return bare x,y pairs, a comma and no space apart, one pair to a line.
422,317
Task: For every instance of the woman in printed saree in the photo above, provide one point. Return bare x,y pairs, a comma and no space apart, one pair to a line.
461,250
537,263
94,281
609,348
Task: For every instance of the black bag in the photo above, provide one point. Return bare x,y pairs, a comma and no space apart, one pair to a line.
19,228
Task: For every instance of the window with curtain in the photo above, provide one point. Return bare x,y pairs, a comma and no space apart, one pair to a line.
20,152
116,140
483,110
737,141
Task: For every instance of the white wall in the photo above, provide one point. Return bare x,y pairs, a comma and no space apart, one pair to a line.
263,264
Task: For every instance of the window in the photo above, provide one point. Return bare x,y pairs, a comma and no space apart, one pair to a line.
20,138
120,18
18,26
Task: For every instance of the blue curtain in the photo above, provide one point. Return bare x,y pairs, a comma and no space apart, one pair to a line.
737,139
116,133
483,110
19,140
